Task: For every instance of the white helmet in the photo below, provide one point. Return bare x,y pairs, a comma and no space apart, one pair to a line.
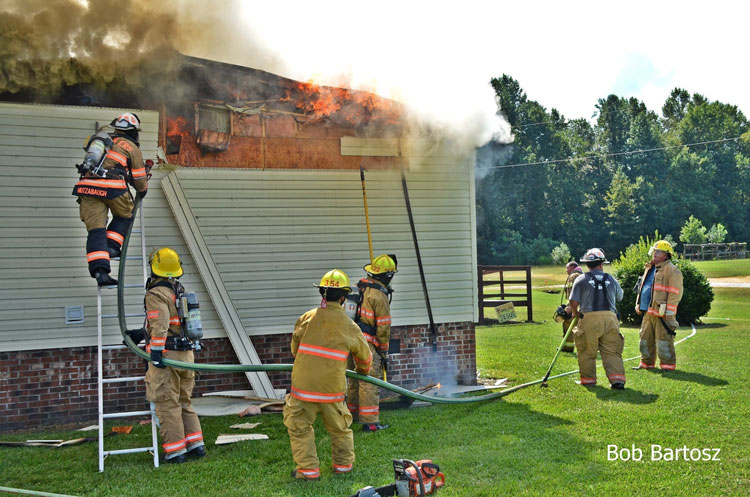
126,121
594,255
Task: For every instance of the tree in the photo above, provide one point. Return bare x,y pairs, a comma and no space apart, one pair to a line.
693,231
717,234
560,254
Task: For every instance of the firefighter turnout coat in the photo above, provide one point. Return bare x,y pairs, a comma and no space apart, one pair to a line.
363,399
322,340
170,389
666,292
97,196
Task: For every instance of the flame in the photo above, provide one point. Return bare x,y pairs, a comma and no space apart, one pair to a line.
178,125
353,107
438,386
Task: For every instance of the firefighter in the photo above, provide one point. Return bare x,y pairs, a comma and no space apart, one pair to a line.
374,319
593,299
574,271
108,192
659,292
170,388
323,338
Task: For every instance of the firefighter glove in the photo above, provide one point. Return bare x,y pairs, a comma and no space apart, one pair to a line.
384,359
156,359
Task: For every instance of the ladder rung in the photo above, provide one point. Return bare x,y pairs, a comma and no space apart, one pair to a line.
113,347
129,258
125,414
135,230
134,285
123,379
127,451
128,315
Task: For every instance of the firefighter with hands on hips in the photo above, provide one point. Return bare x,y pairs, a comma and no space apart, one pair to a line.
593,299
374,319
322,340
170,388
574,271
658,293
112,162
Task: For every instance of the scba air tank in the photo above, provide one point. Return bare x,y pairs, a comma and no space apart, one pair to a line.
193,324
95,150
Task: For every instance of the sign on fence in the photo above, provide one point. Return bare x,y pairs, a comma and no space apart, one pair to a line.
506,312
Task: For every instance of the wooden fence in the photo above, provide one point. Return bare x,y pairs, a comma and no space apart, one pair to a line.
494,276
712,251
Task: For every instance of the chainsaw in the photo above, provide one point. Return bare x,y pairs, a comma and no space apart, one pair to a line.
413,479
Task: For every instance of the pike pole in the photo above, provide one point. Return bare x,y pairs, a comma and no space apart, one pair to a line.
369,242
573,322
367,215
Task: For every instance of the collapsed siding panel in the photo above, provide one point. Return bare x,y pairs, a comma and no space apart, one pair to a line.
42,241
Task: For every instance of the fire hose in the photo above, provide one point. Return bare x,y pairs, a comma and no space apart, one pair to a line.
233,368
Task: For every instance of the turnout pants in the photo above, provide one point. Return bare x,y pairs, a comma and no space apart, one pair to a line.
362,398
101,238
299,416
656,341
568,345
599,330
170,390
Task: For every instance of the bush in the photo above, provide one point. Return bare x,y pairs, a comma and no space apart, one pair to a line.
717,234
693,231
560,254
697,294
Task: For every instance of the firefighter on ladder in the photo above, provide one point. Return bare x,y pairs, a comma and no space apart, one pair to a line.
374,319
106,190
169,388
658,293
322,340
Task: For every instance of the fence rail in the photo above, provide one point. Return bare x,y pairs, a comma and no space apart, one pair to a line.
489,297
711,251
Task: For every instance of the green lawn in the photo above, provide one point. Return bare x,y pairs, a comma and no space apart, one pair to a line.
535,442
724,269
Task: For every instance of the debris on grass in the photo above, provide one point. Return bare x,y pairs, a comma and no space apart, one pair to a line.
229,439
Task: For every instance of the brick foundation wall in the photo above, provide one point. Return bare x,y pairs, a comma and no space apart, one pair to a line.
58,386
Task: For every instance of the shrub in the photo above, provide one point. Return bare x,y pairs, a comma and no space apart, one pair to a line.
560,254
697,295
717,234
693,231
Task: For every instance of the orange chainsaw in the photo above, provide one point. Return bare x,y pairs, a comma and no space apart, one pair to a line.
413,479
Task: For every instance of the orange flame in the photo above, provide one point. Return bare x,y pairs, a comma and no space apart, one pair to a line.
178,125
438,386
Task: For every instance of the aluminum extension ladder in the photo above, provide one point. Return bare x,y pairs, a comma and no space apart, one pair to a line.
102,382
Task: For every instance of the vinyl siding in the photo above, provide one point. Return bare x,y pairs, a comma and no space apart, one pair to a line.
272,234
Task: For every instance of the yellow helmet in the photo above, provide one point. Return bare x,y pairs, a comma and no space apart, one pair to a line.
382,264
662,245
165,262
335,278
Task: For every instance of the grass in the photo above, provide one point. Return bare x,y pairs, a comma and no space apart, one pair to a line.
535,442
724,269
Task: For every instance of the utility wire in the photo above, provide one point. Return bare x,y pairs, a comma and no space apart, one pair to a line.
614,154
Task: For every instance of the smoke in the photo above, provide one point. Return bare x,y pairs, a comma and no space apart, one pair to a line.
131,47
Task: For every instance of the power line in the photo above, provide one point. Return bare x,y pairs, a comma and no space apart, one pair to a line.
614,154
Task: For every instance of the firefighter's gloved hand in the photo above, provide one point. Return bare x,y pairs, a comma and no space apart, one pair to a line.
140,195
156,359
384,359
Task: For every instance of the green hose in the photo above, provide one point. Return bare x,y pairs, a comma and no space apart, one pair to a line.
231,368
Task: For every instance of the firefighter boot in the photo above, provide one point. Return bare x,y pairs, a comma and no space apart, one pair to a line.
367,427
197,452
104,279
